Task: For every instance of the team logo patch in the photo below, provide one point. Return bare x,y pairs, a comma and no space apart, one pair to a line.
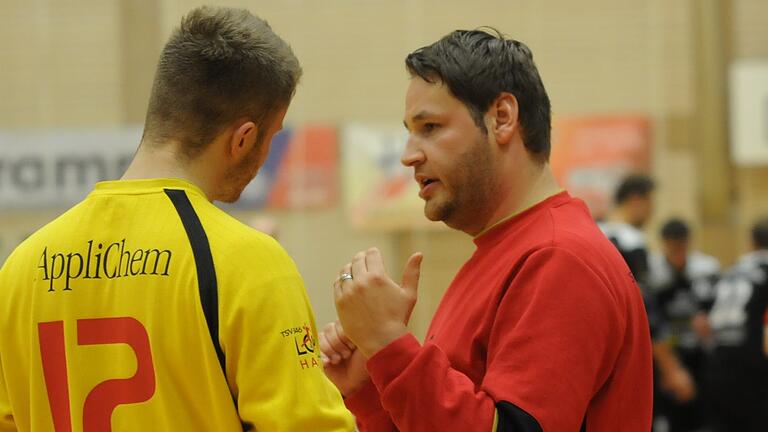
305,344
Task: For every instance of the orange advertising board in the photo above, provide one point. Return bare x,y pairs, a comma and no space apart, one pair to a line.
591,155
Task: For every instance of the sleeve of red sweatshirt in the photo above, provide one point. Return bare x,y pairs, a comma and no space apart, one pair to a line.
365,404
555,335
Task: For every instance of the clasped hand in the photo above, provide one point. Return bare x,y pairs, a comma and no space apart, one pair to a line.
373,311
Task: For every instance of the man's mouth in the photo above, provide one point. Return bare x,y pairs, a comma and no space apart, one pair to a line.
426,186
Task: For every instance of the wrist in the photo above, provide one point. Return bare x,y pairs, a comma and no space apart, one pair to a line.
353,388
386,336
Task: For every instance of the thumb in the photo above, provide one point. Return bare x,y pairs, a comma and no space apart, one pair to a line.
411,273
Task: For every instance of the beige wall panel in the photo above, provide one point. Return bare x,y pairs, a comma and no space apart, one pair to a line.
671,29
321,243
750,28
444,253
750,40
140,45
595,56
752,184
65,61
676,192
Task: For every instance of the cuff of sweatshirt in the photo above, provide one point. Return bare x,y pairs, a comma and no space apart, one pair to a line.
389,362
365,403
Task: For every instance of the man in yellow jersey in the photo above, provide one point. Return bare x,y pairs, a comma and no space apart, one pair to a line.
145,307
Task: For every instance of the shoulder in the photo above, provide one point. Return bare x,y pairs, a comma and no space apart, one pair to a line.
224,230
561,264
558,276
752,266
625,236
243,253
702,265
34,245
657,261
568,227
660,272
586,241
586,254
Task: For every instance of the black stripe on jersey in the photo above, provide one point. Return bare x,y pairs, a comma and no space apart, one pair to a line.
206,272
514,419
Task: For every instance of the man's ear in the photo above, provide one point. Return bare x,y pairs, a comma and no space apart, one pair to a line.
504,115
243,140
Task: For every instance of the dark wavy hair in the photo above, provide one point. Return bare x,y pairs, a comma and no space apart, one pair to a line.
477,66
634,185
675,229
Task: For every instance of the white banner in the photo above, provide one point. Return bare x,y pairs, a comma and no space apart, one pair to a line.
749,112
58,168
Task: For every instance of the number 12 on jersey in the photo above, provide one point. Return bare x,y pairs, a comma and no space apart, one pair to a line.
107,395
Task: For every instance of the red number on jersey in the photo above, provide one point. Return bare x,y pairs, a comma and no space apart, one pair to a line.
106,396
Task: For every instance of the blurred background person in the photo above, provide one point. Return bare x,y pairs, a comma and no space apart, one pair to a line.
681,280
737,370
633,202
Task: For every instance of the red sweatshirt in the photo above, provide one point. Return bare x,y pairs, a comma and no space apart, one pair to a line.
543,328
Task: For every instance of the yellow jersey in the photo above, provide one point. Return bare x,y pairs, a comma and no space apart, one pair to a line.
147,308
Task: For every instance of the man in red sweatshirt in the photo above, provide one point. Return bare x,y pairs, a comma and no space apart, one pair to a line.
544,328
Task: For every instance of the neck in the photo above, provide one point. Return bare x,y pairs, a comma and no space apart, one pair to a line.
537,186
164,161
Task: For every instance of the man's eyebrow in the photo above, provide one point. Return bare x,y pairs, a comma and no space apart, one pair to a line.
418,117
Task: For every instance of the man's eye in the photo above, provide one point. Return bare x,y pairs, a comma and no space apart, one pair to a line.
429,127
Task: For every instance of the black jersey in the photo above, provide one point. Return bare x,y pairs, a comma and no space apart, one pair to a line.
740,304
737,370
681,294
630,242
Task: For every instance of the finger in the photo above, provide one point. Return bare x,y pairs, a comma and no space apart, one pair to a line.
339,283
374,261
343,336
325,346
327,349
358,265
411,274
346,269
336,343
337,292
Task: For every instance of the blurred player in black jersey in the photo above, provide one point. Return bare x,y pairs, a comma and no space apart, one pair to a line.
681,280
633,208
737,371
